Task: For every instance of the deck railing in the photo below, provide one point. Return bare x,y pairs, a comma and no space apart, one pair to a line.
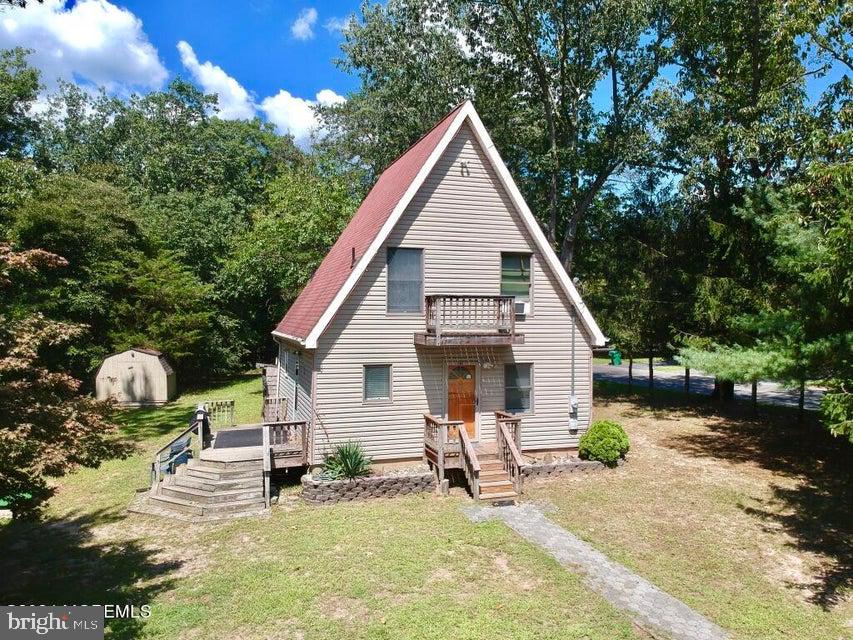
221,413
508,438
274,410
470,464
469,314
440,436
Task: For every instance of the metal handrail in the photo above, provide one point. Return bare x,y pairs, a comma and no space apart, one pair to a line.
197,424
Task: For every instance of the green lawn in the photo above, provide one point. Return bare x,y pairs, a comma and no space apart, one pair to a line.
406,568
748,521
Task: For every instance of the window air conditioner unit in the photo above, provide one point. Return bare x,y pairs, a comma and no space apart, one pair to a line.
522,308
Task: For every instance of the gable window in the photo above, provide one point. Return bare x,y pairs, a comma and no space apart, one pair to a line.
405,280
377,382
515,276
518,387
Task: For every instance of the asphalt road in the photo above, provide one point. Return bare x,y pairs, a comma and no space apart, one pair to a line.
700,384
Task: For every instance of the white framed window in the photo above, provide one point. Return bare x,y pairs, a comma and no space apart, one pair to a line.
405,280
518,388
377,383
516,276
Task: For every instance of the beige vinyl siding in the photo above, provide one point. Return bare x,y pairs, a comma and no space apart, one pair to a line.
462,220
290,385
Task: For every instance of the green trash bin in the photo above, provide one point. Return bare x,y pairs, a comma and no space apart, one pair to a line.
615,357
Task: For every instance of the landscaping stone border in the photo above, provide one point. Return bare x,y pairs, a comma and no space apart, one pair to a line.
575,465
316,491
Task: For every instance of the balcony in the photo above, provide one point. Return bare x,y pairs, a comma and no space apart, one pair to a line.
469,320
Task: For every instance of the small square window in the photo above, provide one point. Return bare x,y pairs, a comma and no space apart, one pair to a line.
377,382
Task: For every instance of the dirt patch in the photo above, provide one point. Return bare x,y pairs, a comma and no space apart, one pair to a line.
350,610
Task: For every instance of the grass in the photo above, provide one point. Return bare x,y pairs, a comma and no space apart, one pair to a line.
749,521
405,568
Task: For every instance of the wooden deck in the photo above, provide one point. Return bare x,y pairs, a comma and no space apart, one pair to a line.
288,445
453,320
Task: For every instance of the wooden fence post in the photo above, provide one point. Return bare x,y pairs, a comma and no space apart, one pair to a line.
687,382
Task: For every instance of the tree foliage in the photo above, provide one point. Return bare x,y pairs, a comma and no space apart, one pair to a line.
46,427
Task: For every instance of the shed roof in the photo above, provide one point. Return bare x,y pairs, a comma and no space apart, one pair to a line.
164,361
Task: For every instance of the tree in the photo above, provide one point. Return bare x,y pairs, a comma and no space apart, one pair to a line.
19,86
161,142
46,428
532,68
273,260
123,289
805,331
198,228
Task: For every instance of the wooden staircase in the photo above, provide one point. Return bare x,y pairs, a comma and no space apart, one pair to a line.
495,483
213,488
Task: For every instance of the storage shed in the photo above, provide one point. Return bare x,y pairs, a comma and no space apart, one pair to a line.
136,377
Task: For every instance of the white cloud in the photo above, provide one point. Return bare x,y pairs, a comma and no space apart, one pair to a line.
303,27
328,97
337,25
234,100
94,40
296,116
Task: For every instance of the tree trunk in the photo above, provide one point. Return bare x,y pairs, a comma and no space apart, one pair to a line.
687,382
630,375
801,404
724,390
755,397
651,378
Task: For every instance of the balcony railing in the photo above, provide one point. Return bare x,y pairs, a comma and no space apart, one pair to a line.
456,319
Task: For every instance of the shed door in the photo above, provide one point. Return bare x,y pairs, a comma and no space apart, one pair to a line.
462,396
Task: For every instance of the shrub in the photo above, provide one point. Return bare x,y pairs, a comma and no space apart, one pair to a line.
605,441
348,460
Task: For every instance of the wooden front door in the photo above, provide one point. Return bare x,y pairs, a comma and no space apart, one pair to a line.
462,396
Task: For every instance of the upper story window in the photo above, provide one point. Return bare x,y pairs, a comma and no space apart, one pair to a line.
515,276
405,280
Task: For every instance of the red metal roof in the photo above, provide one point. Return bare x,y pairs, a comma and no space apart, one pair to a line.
365,225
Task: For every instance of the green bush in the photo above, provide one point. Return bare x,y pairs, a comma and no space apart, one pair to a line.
348,460
605,441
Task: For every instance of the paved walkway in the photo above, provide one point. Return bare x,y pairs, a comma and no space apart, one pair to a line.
655,611
701,384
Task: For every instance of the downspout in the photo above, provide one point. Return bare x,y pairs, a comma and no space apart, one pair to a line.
573,399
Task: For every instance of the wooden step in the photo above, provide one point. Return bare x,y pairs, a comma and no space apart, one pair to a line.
504,498
490,465
487,475
206,484
232,465
497,486
200,496
182,505
197,469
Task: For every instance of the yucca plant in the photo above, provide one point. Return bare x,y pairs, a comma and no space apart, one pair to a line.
348,460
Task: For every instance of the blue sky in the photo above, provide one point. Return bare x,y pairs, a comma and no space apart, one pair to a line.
252,40
268,58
